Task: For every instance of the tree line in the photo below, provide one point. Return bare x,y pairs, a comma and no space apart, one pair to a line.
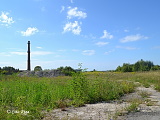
7,70
140,65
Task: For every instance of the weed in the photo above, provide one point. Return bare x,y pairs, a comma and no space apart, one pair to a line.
144,94
61,104
133,107
148,102
79,86
146,84
157,86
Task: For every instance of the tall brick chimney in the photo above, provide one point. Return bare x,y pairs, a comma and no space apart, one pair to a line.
29,60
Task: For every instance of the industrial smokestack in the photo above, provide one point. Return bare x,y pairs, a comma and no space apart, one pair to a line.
29,61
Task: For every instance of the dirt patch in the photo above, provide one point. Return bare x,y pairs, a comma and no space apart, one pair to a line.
99,111
148,108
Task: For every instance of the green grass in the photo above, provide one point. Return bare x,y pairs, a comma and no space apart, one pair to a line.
30,94
145,78
144,94
34,95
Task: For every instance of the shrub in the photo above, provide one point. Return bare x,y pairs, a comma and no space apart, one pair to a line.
38,68
79,86
66,70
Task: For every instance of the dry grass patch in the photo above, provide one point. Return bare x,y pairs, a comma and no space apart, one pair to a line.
144,94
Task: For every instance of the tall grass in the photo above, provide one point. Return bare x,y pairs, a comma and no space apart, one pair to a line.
35,95
30,94
146,78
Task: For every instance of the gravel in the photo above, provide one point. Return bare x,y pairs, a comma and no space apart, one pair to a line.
44,73
99,111
146,112
108,111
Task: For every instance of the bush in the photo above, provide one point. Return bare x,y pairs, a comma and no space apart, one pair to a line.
38,68
67,70
79,86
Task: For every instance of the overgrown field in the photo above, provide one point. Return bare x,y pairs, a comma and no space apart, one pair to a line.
26,98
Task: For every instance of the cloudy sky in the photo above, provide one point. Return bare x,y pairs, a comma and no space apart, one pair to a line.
101,34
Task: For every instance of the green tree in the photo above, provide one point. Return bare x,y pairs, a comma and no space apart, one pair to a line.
140,65
60,68
8,70
66,70
143,65
118,69
38,68
156,67
126,68
136,67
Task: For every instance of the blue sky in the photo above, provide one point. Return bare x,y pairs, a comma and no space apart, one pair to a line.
101,34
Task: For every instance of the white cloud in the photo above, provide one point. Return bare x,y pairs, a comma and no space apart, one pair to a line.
5,20
108,52
62,9
41,53
88,52
106,35
75,28
90,36
73,12
39,47
33,53
19,53
127,48
101,43
4,54
126,30
132,38
30,31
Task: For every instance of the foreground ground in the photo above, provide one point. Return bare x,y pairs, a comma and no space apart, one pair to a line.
101,95
143,104
148,108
